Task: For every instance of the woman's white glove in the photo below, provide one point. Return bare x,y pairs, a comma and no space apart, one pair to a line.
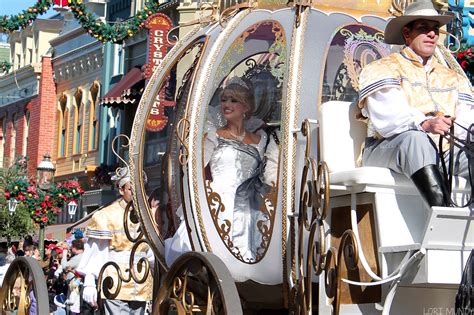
90,291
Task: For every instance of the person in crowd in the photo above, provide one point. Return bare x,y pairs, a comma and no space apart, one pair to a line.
60,304
235,158
107,241
77,249
28,249
46,261
78,235
73,301
410,99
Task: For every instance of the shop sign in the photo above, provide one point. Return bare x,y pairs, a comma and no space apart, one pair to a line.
158,26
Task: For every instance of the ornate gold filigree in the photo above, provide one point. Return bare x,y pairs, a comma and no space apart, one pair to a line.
265,227
348,249
24,278
361,39
314,195
198,283
130,218
224,227
137,272
216,206
398,7
182,133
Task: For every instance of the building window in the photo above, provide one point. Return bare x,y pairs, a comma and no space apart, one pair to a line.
78,121
63,122
114,122
118,61
25,133
13,137
94,110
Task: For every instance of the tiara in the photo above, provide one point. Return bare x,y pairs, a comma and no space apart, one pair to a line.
238,81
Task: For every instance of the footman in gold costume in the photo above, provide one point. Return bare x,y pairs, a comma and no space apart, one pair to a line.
401,95
107,241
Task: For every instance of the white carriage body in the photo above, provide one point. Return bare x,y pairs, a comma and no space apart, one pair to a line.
414,253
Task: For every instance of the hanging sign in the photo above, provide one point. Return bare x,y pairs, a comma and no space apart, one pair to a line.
157,118
158,26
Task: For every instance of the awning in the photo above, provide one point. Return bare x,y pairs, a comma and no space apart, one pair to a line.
114,96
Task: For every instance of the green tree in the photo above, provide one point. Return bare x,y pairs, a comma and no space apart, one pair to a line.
19,223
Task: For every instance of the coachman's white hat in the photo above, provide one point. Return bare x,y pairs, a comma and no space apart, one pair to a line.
422,9
121,176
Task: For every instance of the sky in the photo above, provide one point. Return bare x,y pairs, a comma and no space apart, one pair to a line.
10,7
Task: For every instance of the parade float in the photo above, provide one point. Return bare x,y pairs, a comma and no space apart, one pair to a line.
332,237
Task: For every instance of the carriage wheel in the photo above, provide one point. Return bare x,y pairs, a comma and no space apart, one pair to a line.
198,283
23,280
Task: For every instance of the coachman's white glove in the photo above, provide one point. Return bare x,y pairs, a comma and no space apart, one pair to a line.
90,291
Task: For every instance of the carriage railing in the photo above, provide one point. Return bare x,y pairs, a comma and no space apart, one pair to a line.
316,258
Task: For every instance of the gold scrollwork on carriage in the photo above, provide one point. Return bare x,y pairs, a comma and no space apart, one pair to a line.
24,282
352,47
198,283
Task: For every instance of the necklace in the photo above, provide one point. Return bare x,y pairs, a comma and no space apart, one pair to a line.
236,137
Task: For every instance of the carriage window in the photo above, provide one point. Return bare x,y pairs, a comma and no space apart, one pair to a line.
161,172
351,49
241,140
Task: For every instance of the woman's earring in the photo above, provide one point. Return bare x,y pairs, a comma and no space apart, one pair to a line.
245,115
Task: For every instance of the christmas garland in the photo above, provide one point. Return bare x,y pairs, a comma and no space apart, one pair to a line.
26,17
102,31
112,33
5,66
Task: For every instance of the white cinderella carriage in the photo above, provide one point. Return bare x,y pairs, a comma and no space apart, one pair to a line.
330,237
334,237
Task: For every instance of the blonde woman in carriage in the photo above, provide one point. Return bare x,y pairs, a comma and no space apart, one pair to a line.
241,162
239,157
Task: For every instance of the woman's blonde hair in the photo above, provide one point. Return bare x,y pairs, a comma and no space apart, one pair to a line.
242,95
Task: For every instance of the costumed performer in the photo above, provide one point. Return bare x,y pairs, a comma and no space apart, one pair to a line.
410,99
107,241
235,156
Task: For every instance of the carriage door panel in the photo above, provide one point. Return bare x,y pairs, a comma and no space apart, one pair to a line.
156,165
241,179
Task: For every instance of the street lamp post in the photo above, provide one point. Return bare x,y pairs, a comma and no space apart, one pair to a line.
45,176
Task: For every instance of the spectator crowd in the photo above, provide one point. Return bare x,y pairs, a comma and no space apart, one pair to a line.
59,266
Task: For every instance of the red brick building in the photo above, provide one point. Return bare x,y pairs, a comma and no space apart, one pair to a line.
28,96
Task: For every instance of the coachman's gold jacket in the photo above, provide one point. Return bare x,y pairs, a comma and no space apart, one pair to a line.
438,89
108,224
